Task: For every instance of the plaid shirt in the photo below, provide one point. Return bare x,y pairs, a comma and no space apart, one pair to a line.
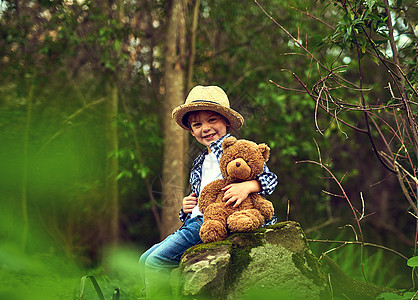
267,179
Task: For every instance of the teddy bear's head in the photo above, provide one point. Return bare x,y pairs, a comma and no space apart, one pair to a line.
242,160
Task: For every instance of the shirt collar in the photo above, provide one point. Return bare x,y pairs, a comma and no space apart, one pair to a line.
216,146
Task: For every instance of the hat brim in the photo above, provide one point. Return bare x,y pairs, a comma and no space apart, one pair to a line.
179,114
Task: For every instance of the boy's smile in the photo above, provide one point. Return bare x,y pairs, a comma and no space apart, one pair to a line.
207,126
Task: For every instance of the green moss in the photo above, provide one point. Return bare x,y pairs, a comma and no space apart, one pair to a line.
249,238
309,266
240,253
284,224
239,246
281,241
205,247
281,225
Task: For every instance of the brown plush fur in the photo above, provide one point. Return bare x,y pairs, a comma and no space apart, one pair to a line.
241,161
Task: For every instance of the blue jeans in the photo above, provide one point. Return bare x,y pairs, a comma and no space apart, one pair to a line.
157,262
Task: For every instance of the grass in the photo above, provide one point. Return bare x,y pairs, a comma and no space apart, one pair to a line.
48,276
375,265
45,274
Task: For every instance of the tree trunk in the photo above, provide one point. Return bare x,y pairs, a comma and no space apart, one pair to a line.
173,157
111,185
111,234
24,191
192,55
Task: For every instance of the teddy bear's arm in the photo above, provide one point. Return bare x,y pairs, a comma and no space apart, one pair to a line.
209,194
263,205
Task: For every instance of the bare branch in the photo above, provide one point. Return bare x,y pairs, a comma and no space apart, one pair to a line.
324,108
313,17
286,89
342,190
358,243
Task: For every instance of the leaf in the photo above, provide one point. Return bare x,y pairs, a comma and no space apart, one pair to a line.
95,284
393,296
116,294
143,172
325,8
370,3
388,296
117,45
413,262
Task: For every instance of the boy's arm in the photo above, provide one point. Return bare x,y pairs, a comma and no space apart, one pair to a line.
187,206
182,215
189,202
194,181
264,184
268,181
238,192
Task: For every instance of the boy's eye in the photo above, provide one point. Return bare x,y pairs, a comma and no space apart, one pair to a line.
213,120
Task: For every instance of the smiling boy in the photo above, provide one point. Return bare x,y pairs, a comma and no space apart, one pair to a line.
207,115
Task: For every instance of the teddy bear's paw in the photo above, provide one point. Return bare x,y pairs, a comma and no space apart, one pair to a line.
269,214
267,210
212,231
245,220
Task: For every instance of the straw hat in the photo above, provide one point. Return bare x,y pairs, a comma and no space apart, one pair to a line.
207,98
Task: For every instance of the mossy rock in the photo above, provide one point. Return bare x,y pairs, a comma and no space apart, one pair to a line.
275,259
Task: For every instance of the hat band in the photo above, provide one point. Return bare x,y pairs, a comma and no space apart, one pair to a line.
208,101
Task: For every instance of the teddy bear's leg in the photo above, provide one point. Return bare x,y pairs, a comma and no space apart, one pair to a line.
245,220
214,224
212,231
264,206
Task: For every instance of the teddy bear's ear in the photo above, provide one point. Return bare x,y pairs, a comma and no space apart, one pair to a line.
228,142
265,151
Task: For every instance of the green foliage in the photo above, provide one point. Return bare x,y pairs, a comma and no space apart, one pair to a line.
55,60
40,276
363,29
116,293
376,265
413,262
367,264
268,293
95,284
51,276
392,296
359,37
58,56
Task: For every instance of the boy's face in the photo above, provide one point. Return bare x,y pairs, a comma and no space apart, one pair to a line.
207,126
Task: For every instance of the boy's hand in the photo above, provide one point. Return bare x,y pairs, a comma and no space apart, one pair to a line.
238,192
189,202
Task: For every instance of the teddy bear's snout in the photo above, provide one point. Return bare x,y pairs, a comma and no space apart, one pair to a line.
238,168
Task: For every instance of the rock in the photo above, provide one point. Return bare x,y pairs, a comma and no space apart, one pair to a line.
205,272
274,261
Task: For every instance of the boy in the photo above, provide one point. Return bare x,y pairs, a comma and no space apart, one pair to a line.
206,114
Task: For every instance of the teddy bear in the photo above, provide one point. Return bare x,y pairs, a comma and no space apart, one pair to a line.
241,160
